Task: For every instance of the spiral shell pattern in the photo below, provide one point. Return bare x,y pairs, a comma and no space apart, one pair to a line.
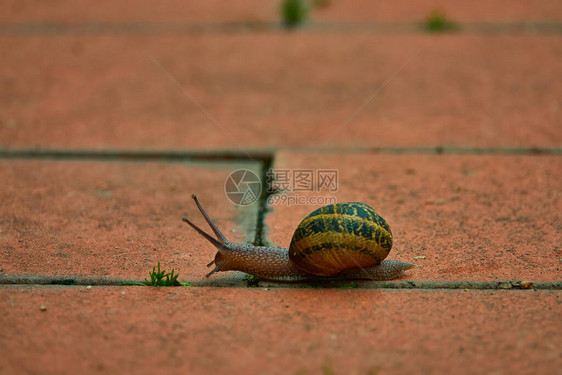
338,237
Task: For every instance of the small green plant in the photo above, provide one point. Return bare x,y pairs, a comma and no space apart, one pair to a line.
294,12
437,22
161,278
252,281
347,286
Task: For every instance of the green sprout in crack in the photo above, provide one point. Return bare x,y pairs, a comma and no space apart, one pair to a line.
437,22
294,12
161,278
252,281
346,286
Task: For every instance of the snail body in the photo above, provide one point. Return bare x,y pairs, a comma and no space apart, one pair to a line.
342,241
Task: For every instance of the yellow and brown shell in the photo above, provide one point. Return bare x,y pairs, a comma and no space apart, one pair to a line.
340,236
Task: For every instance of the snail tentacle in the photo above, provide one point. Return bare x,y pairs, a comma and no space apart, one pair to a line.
215,229
215,242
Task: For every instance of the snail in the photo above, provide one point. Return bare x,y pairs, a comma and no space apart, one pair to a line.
342,240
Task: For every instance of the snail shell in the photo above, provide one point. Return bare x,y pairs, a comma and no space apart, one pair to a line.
340,236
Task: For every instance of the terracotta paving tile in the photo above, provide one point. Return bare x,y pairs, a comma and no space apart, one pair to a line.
279,331
473,217
280,90
267,10
144,10
458,10
113,219
469,217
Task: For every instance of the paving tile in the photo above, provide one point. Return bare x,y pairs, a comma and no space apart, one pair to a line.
144,10
267,11
458,10
473,217
280,331
280,90
113,219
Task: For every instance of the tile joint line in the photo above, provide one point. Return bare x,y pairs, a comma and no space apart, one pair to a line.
263,155
396,284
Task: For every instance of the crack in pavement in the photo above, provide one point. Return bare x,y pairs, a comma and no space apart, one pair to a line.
336,284
186,28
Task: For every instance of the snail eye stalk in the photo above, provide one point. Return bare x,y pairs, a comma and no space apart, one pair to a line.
215,242
215,229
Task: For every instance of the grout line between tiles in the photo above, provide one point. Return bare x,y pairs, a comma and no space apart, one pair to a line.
188,28
263,155
336,284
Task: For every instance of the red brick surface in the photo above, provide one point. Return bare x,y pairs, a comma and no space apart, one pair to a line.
83,76
143,10
12,11
284,331
472,217
281,90
113,219
457,10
